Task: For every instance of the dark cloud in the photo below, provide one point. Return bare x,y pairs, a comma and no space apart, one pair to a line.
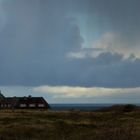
118,16
34,41
38,35
107,70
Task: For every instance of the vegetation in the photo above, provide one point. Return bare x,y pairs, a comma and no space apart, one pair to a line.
115,123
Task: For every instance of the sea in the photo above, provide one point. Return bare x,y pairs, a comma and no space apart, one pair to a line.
78,106
81,106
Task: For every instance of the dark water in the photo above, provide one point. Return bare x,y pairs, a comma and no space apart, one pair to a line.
78,106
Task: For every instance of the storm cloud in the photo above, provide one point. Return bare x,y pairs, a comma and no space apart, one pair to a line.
37,36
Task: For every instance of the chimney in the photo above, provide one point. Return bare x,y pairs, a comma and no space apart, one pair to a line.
29,96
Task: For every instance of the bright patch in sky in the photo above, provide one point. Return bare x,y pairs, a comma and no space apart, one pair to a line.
68,91
70,94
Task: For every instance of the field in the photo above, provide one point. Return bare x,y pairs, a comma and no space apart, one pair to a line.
116,123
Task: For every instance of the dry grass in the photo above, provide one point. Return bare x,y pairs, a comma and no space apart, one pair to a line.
69,125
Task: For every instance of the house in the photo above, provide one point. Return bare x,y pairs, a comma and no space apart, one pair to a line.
23,102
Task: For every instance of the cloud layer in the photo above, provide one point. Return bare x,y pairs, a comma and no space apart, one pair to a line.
87,92
40,39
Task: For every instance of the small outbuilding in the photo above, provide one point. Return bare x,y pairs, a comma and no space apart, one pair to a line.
23,102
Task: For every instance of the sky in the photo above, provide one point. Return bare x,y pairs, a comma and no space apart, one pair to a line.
71,51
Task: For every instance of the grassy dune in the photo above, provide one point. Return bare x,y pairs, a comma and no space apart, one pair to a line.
116,123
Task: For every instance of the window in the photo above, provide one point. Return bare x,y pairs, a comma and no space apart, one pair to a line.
31,105
41,105
23,105
9,105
